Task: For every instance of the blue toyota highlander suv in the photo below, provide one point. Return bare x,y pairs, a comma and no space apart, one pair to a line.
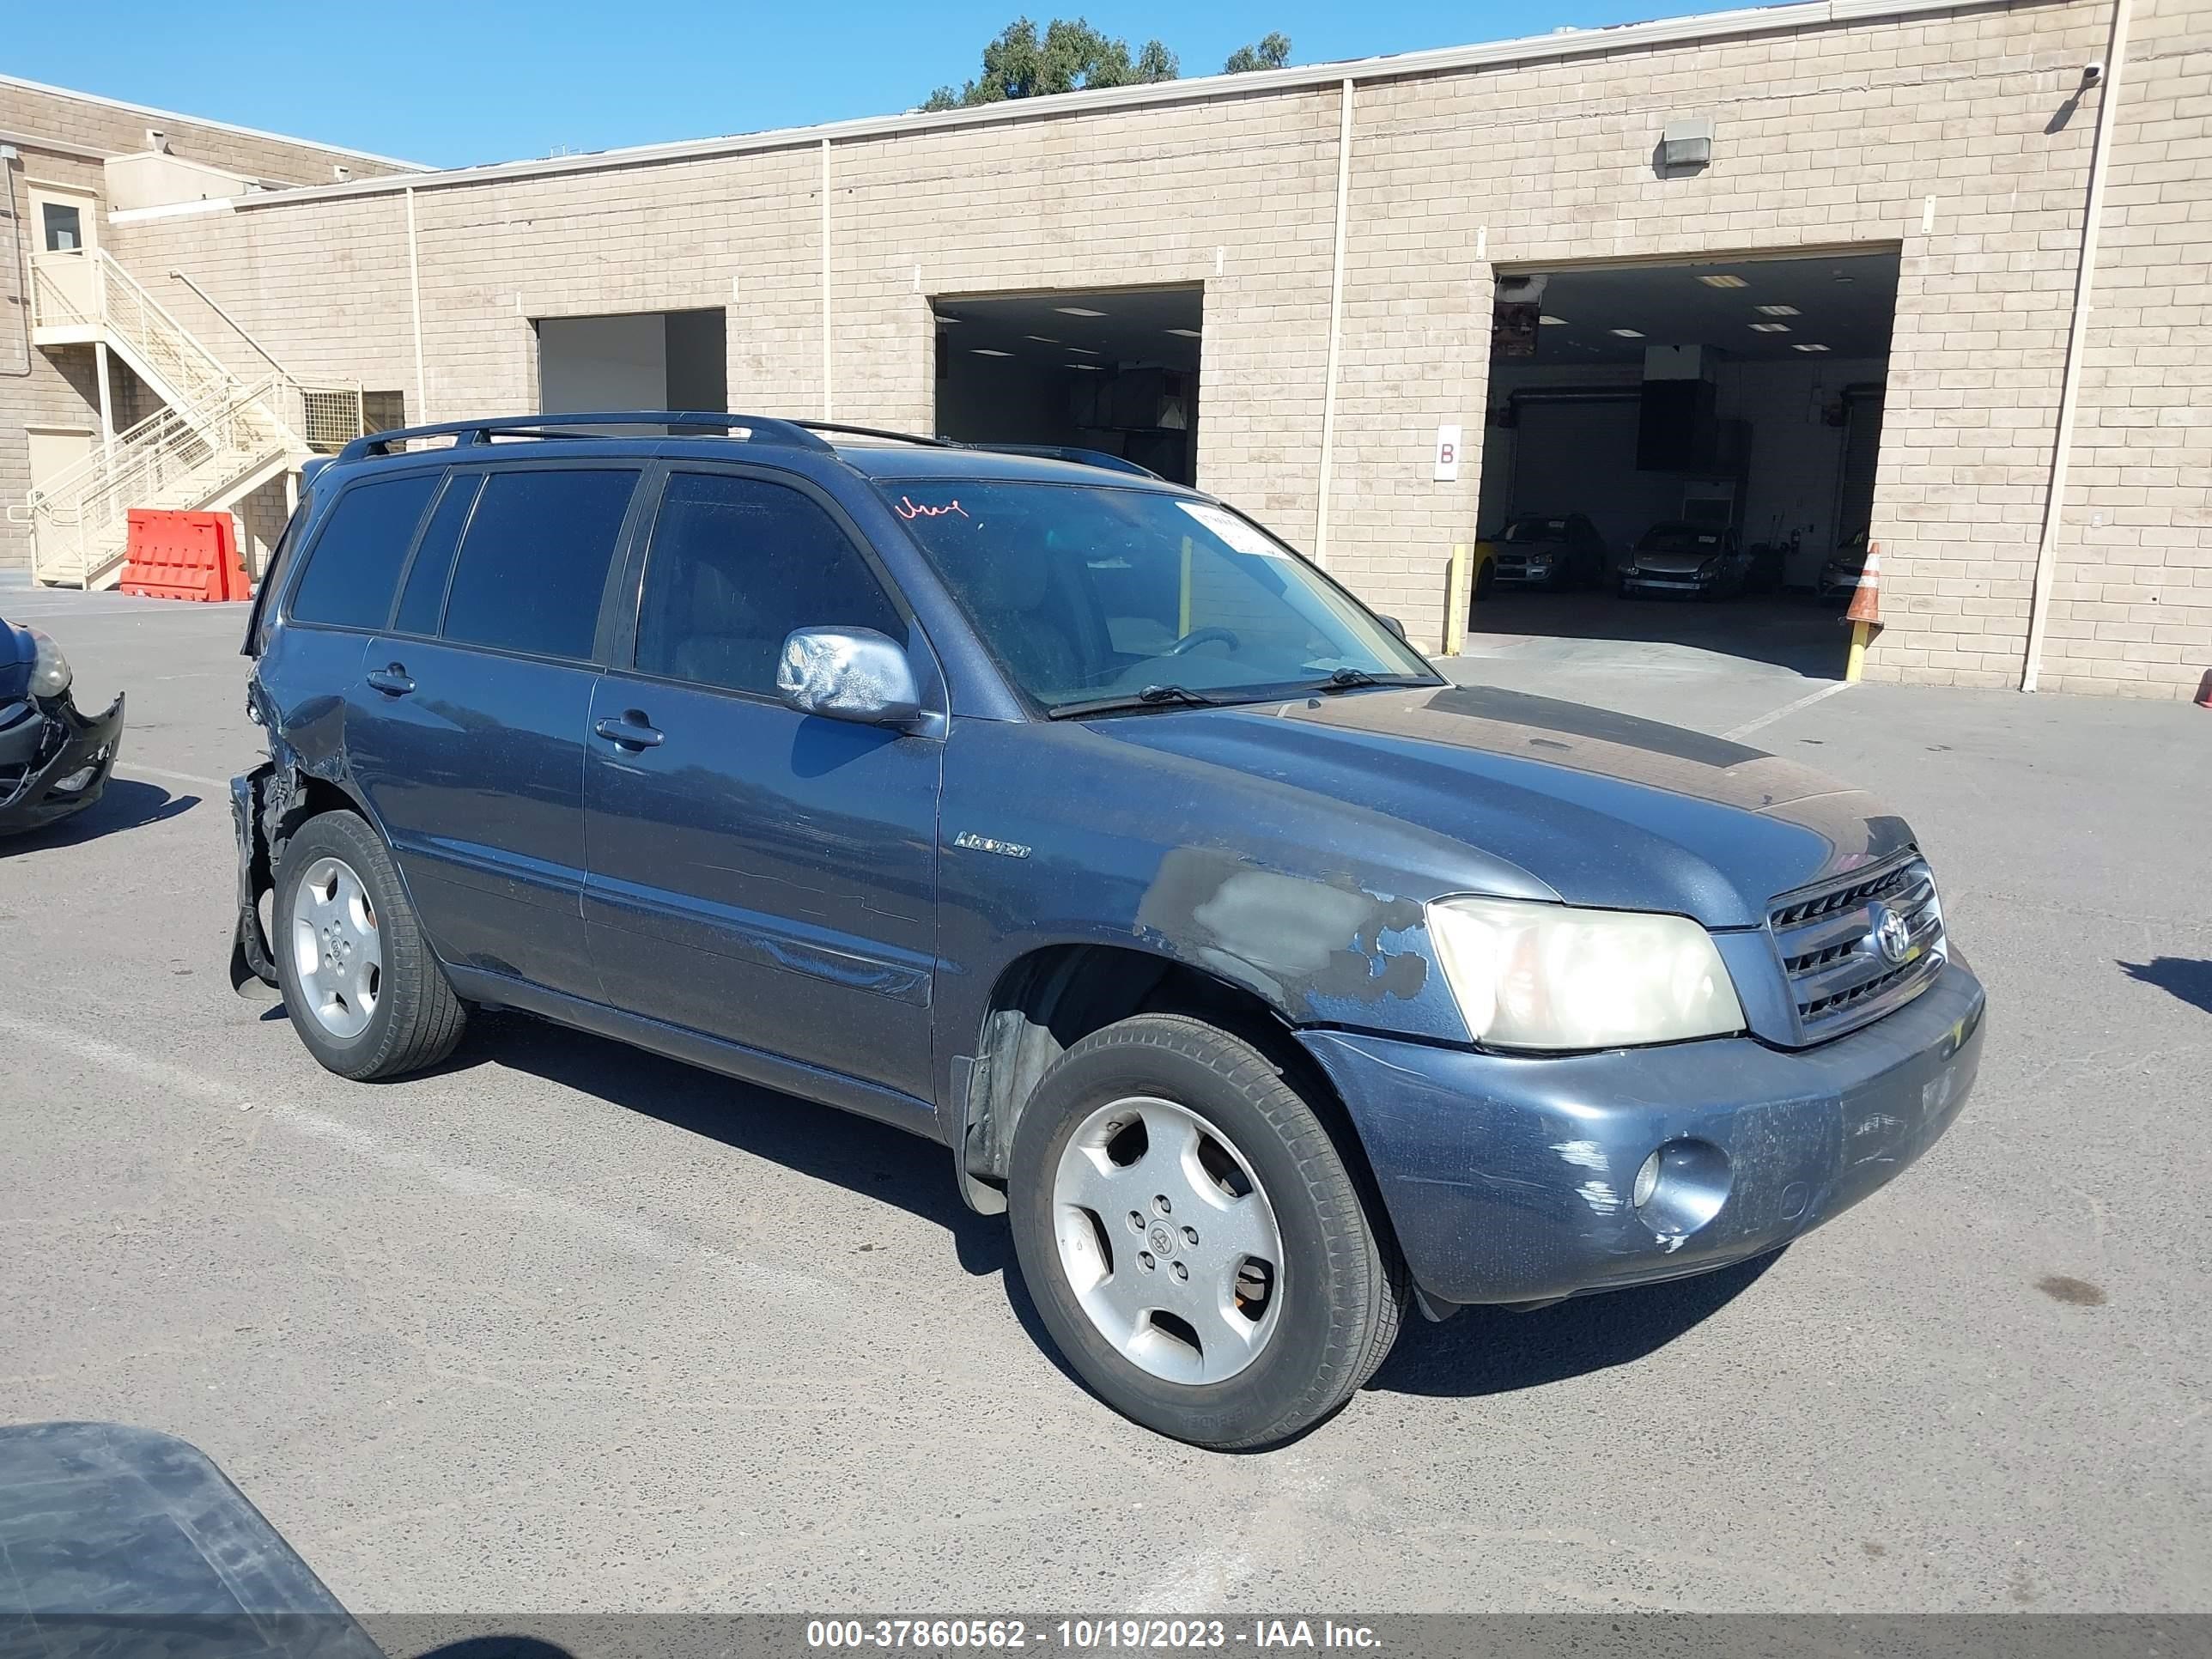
1270,983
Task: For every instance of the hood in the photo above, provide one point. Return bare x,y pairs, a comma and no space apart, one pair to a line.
1605,809
1672,563
1522,549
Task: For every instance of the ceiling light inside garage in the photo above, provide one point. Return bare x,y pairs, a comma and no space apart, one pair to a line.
1723,280
1041,339
1779,311
986,351
1770,328
1078,311
1808,348
1552,322
1085,351
1092,368
1187,333
1629,333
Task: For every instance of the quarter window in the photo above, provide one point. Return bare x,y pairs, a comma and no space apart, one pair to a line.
533,566
737,565
423,598
355,562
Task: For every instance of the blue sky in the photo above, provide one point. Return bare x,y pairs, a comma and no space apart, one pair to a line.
450,83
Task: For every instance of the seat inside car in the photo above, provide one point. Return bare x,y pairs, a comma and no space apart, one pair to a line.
1012,591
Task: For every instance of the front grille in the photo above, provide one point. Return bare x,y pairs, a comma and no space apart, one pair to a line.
1827,937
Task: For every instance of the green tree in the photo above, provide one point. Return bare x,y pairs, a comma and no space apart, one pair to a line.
1068,56
1269,52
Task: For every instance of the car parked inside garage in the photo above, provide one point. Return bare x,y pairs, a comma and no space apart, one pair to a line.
1555,553
1271,983
1840,574
1689,561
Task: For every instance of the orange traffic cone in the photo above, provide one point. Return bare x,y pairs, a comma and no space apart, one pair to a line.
1866,597
1865,613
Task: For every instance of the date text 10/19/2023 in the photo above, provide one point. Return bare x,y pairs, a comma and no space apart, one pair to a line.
1084,1635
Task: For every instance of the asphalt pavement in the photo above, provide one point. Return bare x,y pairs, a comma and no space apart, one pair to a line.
566,1327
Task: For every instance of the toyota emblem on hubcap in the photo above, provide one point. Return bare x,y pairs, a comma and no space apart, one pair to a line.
1162,1239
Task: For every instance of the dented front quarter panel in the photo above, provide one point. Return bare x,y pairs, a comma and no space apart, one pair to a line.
1313,904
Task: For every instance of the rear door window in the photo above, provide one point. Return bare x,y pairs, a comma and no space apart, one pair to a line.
533,564
355,564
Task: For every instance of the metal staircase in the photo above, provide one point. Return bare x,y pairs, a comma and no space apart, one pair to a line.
216,440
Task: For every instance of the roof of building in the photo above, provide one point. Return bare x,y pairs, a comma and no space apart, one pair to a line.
1558,44
152,114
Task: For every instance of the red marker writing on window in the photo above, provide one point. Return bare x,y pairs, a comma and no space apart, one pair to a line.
909,510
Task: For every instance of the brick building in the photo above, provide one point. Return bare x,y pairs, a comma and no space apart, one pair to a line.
1938,275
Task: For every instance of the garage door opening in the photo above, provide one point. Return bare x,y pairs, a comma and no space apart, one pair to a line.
637,360
1114,372
1683,453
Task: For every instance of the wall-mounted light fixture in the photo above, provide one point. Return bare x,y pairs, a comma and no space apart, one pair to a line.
1685,147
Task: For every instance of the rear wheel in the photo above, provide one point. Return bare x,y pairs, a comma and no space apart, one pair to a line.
361,985
1195,1241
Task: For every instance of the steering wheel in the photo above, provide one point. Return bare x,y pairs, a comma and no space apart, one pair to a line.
1199,637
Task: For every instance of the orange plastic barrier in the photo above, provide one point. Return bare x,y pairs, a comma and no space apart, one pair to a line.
183,555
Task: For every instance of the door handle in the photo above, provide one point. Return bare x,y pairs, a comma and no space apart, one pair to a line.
631,732
392,680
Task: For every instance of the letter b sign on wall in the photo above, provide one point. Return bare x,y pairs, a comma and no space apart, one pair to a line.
1448,447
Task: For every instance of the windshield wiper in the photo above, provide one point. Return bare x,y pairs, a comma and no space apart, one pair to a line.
1351,679
1153,697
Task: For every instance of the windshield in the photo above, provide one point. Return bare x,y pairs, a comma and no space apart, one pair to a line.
1678,539
1536,530
1087,593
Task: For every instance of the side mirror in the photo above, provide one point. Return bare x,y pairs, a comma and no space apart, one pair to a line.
849,674
1393,624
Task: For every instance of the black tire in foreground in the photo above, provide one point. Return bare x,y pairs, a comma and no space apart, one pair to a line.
1324,1315
413,1017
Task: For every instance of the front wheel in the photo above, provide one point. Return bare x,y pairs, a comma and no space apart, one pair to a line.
1195,1241
362,988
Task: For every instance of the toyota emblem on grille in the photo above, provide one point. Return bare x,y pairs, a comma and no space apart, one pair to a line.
1892,937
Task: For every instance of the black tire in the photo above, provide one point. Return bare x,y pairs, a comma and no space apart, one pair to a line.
417,1019
1341,1284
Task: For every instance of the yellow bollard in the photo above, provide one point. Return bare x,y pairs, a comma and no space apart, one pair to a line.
1855,664
1457,599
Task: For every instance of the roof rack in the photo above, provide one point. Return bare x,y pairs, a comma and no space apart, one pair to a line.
878,432
752,428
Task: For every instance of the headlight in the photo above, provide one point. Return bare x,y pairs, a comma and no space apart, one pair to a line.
1547,976
50,670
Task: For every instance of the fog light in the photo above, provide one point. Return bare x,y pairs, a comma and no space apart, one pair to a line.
76,779
1647,1179
1680,1188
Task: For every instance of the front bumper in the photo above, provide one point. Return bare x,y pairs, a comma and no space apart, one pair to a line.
1508,576
43,744
1661,581
1510,1179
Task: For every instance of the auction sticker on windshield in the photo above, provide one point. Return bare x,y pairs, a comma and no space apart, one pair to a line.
1241,537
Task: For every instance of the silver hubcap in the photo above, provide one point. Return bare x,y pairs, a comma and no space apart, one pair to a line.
336,948
1168,1240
